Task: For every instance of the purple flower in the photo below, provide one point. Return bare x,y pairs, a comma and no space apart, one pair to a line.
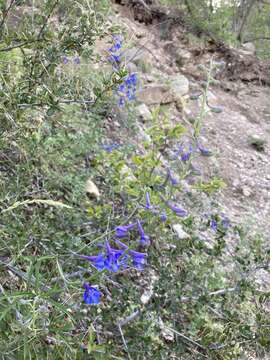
121,102
113,260
225,222
77,60
115,59
97,260
65,60
122,231
115,55
144,240
110,148
204,151
126,91
163,217
177,210
138,259
213,224
91,295
171,178
148,205
184,154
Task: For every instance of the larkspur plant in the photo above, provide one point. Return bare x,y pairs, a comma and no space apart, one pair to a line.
126,91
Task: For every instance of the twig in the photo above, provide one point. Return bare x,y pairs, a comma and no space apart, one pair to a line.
213,293
129,318
124,342
5,14
186,338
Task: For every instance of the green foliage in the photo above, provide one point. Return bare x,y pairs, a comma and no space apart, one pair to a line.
202,300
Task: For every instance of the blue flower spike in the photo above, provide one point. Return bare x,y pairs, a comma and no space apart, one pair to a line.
203,150
91,295
171,178
123,230
144,239
139,259
148,205
163,217
213,224
113,260
98,261
177,210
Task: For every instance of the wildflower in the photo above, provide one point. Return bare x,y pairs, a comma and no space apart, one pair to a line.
121,102
173,180
115,59
163,217
204,151
110,148
184,155
117,43
225,222
148,205
98,261
65,60
213,224
138,259
126,91
178,211
122,231
144,240
91,295
113,260
77,60
115,56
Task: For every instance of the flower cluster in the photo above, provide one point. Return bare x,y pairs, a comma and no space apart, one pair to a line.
127,89
184,151
110,147
114,259
76,60
115,52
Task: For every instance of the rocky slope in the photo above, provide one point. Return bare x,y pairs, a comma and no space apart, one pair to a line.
171,64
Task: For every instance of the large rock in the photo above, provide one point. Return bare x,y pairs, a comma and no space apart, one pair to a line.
174,89
249,47
144,112
155,94
179,86
182,235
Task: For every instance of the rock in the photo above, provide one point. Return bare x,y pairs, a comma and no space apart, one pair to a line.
155,94
182,56
91,189
144,112
249,47
182,235
166,332
146,296
179,86
246,191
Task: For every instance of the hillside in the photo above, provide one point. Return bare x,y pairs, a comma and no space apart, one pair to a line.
134,186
